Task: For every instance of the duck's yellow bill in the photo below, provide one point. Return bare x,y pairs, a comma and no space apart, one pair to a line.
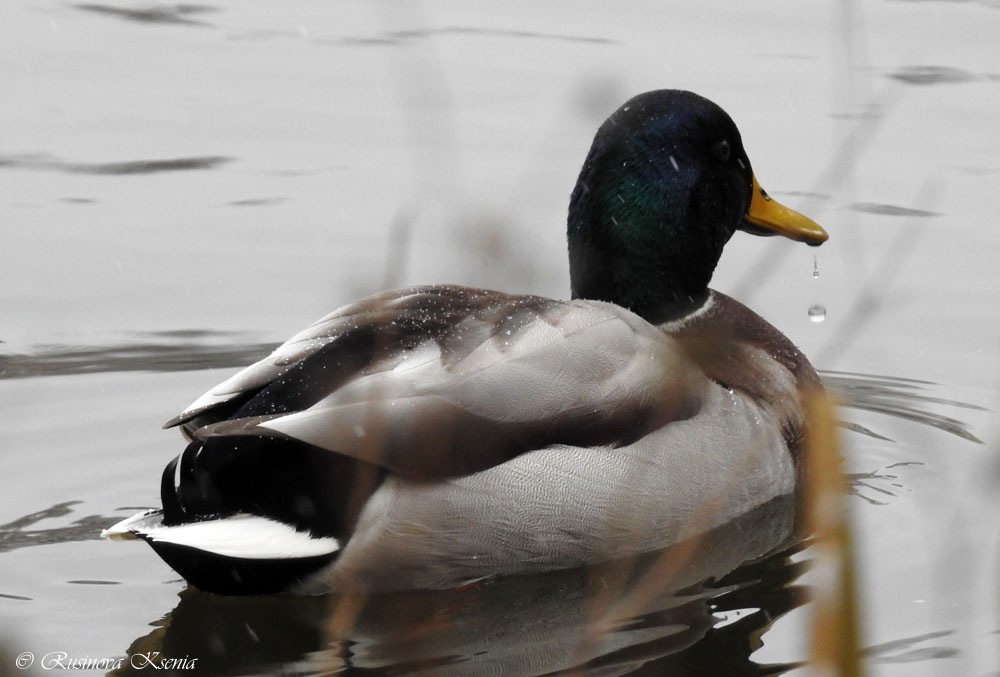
767,216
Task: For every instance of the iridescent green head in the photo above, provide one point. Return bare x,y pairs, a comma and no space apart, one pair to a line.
665,185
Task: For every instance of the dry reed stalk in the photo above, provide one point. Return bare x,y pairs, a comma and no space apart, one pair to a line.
835,634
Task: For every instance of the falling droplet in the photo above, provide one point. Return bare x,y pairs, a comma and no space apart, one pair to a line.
817,313
815,268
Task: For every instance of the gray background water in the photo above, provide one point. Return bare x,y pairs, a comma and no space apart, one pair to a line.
182,185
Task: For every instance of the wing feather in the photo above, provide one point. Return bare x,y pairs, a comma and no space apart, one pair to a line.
444,381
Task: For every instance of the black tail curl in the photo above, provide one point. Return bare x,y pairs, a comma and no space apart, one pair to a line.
298,484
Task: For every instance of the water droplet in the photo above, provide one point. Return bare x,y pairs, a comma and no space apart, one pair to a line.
817,313
815,268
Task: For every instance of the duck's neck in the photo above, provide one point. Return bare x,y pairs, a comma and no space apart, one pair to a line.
642,250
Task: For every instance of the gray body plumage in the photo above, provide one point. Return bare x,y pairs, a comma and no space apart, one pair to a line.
472,420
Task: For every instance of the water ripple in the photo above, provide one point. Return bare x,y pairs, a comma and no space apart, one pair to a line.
403,36
164,351
45,162
15,534
933,75
157,14
897,397
891,210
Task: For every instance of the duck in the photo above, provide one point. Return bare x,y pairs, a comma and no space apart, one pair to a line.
431,436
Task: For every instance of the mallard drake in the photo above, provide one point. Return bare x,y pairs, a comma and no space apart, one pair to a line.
429,436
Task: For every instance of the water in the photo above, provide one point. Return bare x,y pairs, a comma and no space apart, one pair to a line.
185,185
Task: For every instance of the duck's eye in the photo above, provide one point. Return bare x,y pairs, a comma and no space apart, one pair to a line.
721,150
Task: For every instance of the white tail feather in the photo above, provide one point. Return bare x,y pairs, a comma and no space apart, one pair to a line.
242,536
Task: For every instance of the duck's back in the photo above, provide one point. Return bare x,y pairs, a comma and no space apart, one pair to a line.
443,381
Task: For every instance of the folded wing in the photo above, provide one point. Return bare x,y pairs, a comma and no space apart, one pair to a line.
445,381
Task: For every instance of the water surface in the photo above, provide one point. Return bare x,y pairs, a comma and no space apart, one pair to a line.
185,185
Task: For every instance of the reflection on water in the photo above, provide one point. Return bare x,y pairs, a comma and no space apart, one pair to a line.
236,635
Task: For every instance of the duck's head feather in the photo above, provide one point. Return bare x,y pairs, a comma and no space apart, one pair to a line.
665,185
